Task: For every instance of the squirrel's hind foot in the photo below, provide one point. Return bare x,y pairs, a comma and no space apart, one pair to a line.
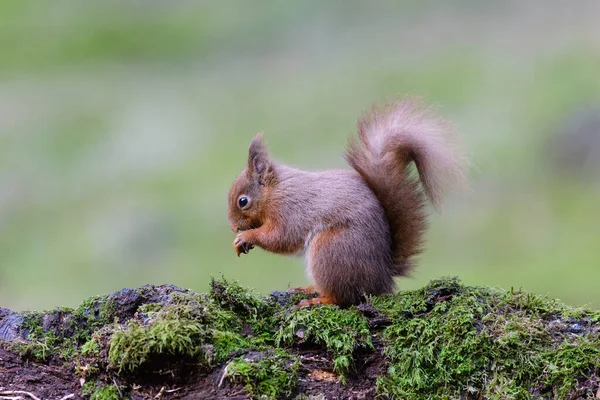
317,300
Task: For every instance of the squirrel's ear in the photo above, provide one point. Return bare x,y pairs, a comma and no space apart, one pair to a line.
259,163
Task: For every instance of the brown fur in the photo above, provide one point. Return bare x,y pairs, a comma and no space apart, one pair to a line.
358,228
390,140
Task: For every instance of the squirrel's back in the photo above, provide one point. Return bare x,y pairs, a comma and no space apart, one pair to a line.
390,140
326,199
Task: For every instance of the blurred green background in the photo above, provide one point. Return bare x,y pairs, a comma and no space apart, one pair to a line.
123,123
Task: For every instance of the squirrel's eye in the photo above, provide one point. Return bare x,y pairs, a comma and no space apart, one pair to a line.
243,201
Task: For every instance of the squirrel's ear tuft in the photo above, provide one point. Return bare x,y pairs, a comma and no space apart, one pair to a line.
259,163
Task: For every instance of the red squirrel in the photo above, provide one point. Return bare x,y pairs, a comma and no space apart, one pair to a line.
359,228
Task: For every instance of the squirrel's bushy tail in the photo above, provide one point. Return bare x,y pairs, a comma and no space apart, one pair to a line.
390,140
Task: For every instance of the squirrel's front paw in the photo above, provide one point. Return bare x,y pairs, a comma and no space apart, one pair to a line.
241,245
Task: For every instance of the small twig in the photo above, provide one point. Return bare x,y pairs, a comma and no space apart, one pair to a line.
118,388
224,374
160,392
17,393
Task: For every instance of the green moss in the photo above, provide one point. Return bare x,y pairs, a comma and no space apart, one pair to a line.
444,341
93,313
35,350
41,345
88,388
231,296
258,314
136,344
570,362
57,333
227,342
91,347
190,327
340,331
32,322
107,392
267,376
150,308
448,340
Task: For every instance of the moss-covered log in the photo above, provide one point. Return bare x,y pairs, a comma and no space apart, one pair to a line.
444,341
